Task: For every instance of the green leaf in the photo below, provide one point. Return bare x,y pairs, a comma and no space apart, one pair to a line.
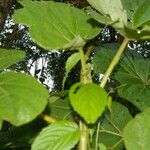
103,56
102,146
19,137
137,34
1,123
136,133
60,108
142,14
71,62
112,125
62,135
10,57
22,98
99,17
49,21
113,9
131,5
89,100
135,81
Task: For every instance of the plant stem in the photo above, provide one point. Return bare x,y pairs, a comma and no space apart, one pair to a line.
83,66
84,138
48,119
109,71
97,136
114,62
89,51
83,144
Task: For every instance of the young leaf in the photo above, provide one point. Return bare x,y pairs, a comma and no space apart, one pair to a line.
113,9
89,100
142,14
112,126
136,132
71,62
22,98
103,56
60,108
62,135
56,25
134,78
10,57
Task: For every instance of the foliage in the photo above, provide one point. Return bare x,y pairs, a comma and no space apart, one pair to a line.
61,136
97,115
9,57
112,125
69,32
89,96
136,132
134,79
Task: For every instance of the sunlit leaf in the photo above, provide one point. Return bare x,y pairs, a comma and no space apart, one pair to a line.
136,132
56,25
113,9
22,98
10,57
58,136
134,78
89,100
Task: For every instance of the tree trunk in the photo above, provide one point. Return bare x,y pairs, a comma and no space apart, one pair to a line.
5,6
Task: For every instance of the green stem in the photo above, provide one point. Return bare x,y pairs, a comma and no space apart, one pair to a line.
97,136
48,119
110,132
110,69
84,138
83,62
83,144
114,62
